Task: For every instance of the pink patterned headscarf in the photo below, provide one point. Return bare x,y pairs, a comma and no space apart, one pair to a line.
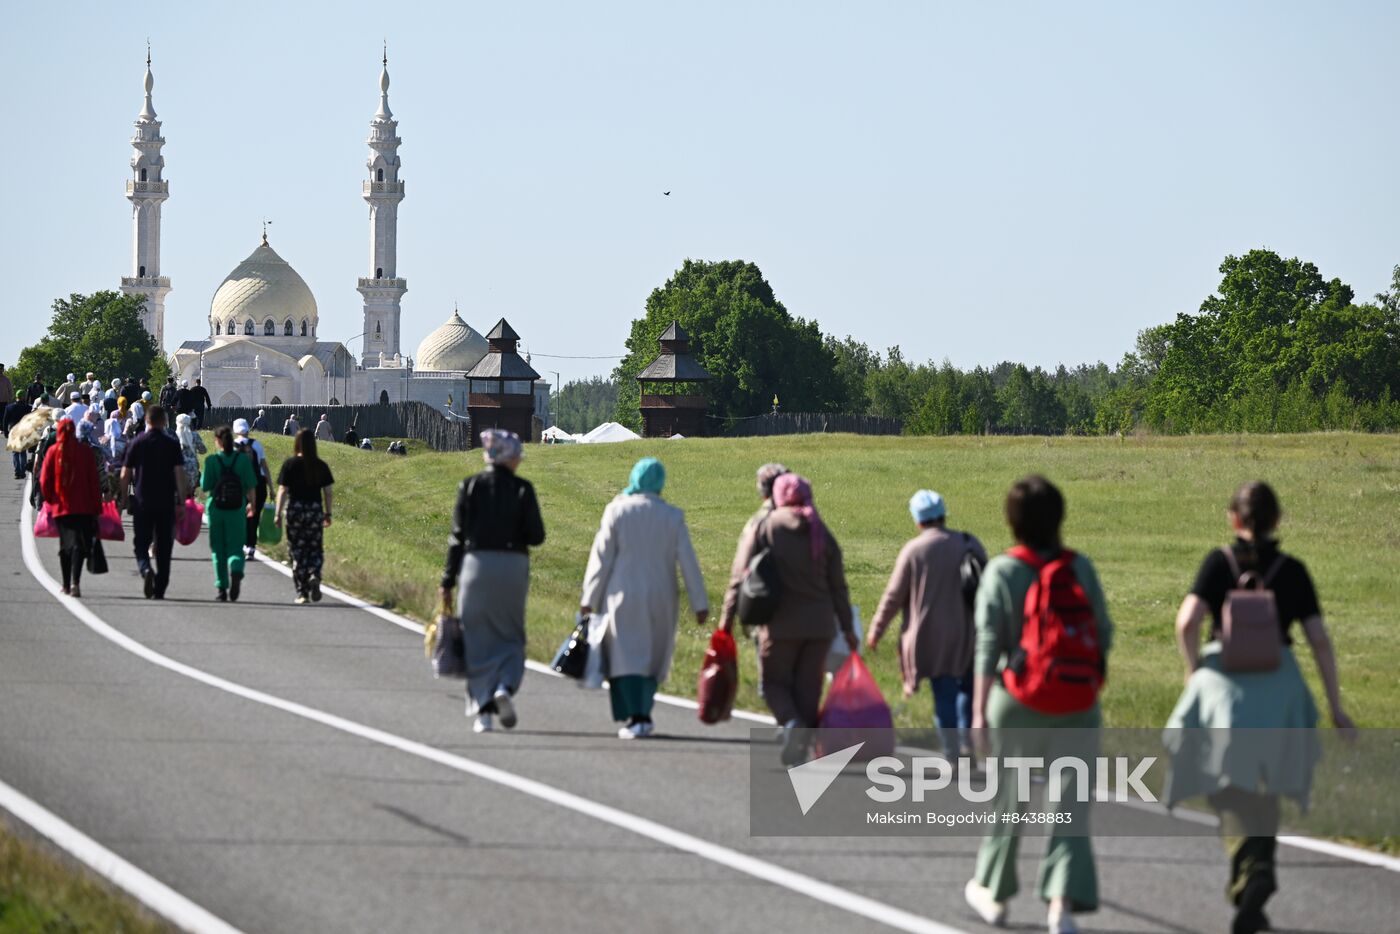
794,492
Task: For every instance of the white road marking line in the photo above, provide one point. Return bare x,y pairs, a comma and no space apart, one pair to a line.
1339,850
150,891
733,859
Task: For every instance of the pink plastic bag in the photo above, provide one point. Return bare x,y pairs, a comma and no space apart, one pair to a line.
187,528
855,712
109,524
44,526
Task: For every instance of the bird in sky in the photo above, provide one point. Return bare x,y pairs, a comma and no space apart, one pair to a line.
666,193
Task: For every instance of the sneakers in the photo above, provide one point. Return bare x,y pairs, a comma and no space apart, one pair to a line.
221,596
631,731
647,728
485,723
300,600
235,585
1061,922
315,590
979,899
505,709
148,577
248,552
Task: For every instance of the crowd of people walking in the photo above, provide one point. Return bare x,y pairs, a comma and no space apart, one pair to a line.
1015,646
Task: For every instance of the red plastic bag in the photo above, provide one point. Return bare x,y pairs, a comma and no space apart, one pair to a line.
187,528
855,712
44,526
719,678
109,524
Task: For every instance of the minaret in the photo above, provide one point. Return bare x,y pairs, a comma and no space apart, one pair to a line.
147,191
382,289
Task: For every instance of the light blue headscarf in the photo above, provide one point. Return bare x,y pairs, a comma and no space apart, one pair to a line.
648,476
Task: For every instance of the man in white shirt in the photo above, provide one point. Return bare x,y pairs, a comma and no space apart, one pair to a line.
76,410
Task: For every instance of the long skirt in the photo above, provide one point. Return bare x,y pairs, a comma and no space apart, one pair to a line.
305,530
75,536
491,605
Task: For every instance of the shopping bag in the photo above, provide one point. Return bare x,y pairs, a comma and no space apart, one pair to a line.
45,526
719,679
855,712
187,528
109,523
595,673
838,653
97,558
268,532
442,640
571,660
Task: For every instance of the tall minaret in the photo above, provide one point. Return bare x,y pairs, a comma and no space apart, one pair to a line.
147,191
382,289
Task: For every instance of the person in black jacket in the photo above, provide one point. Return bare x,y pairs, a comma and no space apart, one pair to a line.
36,389
496,522
202,402
168,393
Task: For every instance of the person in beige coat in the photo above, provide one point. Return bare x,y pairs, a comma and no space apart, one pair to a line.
936,639
631,584
814,600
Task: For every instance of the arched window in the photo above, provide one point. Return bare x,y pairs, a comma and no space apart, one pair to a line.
269,328
383,397
218,328
379,272
303,327
248,328
143,175
232,327
334,401
287,330
141,272
378,175
376,331
276,400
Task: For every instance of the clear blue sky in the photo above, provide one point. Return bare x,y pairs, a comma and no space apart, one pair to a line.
976,181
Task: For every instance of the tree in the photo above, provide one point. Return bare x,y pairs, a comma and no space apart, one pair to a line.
739,331
101,333
583,405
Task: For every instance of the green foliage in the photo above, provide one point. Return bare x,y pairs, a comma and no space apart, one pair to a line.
583,405
742,335
101,333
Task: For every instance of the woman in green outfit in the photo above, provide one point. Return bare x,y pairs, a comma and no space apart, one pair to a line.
232,487
1068,880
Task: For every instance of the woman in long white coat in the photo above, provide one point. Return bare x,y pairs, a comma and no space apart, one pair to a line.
631,586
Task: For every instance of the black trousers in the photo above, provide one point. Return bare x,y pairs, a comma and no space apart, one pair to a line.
154,526
75,535
257,514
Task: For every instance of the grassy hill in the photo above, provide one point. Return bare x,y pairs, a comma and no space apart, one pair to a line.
1145,509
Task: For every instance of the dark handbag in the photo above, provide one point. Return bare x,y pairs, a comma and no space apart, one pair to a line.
970,572
571,660
97,558
449,652
761,590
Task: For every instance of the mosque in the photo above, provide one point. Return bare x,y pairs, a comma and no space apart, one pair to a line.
263,345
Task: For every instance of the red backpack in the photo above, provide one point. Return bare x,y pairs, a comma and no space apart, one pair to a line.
1058,667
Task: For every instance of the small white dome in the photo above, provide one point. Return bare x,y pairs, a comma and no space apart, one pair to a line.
452,347
263,287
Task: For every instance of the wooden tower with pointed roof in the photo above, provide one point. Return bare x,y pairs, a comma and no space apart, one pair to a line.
666,413
501,386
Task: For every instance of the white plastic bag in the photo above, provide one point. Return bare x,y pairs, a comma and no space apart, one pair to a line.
838,653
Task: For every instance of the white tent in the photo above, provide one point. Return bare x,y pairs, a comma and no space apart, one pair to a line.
608,433
556,435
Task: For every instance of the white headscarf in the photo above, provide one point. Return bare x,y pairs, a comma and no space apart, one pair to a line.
183,431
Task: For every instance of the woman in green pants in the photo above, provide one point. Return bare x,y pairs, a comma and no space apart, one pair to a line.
232,487
1029,720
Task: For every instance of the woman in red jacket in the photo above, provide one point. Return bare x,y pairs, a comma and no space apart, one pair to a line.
68,482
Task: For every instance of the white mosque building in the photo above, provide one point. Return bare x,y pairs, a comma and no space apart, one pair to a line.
263,346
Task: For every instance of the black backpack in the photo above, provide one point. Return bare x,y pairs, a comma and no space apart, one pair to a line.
970,572
228,489
761,590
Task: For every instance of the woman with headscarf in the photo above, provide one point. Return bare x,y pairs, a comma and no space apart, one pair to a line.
191,446
631,583
495,524
793,645
68,480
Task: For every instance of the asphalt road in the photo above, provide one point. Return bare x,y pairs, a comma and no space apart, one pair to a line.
275,821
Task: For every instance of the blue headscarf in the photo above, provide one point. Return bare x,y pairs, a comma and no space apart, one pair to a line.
648,476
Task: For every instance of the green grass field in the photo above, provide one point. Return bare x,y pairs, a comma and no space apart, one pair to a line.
1146,510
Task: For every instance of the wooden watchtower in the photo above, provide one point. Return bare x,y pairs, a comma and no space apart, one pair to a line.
500,388
673,413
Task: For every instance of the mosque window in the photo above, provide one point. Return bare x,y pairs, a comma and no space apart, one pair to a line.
379,272
141,271
287,330
276,400
378,175
248,328
383,397
376,331
218,327
143,175
303,327
269,328
232,327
